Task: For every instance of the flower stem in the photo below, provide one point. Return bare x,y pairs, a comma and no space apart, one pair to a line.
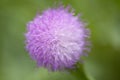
79,72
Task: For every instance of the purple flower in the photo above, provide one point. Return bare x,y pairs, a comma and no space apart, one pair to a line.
56,39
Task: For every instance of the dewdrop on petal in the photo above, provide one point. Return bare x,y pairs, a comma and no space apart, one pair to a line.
56,39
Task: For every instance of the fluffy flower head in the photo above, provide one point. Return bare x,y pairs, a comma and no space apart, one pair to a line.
56,39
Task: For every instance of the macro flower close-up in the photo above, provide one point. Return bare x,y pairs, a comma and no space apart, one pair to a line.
57,38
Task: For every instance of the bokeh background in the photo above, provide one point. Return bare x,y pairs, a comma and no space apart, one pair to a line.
103,19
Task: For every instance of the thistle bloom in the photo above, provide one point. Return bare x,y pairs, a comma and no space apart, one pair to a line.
56,39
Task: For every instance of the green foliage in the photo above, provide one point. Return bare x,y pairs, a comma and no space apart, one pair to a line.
103,19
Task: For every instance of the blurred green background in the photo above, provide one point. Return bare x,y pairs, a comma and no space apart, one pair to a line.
103,18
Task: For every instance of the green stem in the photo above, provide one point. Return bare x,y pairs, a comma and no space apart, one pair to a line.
79,72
